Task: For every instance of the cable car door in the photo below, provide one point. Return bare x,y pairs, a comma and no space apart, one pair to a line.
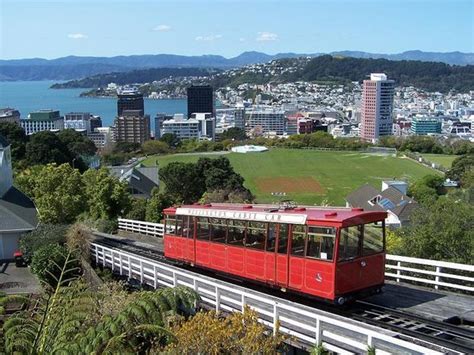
282,258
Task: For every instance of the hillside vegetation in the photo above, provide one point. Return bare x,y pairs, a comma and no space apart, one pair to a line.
430,76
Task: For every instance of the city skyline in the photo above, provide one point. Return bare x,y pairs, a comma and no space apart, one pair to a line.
54,29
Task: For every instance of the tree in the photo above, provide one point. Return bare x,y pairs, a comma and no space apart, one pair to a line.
126,147
182,181
234,133
238,333
45,147
155,147
107,197
156,204
137,209
17,138
77,143
58,192
442,230
460,166
171,140
427,189
43,235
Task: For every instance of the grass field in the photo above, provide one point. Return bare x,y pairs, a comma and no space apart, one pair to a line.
329,176
441,159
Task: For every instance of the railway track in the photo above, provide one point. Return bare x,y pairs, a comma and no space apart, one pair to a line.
408,325
448,335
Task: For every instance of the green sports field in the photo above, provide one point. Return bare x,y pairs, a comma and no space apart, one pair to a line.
310,176
441,159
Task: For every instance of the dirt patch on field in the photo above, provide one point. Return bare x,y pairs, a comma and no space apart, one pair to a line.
289,185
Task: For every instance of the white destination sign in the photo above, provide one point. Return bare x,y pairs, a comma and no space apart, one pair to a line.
243,215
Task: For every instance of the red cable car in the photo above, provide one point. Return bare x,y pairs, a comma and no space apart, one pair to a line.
327,252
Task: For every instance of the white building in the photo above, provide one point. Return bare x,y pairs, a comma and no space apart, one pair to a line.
79,121
43,120
18,214
268,119
199,126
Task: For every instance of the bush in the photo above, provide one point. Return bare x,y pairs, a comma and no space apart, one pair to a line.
44,234
106,226
47,262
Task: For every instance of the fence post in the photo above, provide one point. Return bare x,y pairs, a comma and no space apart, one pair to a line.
369,340
175,279
141,271
243,302
437,278
113,259
399,263
129,267
275,318
319,332
218,299
96,250
154,277
120,264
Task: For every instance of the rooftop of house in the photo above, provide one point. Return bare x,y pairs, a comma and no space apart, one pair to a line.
390,199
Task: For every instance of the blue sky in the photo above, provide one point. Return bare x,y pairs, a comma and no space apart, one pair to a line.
51,29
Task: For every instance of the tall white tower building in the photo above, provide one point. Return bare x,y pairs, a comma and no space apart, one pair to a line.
376,108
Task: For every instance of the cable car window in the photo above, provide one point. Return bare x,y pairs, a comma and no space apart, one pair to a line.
297,240
256,234
272,236
218,230
236,233
179,226
321,243
170,224
350,242
283,238
188,227
373,238
202,232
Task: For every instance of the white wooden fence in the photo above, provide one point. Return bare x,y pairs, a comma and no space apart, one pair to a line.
430,273
309,325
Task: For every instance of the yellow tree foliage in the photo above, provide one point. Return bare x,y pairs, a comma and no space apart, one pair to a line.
212,333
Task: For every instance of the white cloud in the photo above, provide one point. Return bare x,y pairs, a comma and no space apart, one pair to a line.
77,36
267,36
162,28
208,38
241,39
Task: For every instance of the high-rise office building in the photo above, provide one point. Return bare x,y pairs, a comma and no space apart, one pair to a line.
132,128
200,99
377,104
130,100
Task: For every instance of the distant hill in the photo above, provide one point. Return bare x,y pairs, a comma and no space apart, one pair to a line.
134,77
73,67
431,76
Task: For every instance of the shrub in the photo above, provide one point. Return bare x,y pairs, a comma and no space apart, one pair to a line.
44,234
47,262
106,226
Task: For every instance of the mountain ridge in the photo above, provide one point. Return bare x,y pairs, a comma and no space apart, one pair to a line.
75,67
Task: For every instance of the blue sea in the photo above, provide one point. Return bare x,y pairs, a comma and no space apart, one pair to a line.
28,96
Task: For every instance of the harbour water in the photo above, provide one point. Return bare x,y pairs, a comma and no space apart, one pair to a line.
28,96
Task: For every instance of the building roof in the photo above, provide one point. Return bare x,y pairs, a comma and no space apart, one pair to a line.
17,211
390,199
142,179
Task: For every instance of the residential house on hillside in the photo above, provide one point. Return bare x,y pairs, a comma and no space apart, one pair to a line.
392,199
18,214
141,180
